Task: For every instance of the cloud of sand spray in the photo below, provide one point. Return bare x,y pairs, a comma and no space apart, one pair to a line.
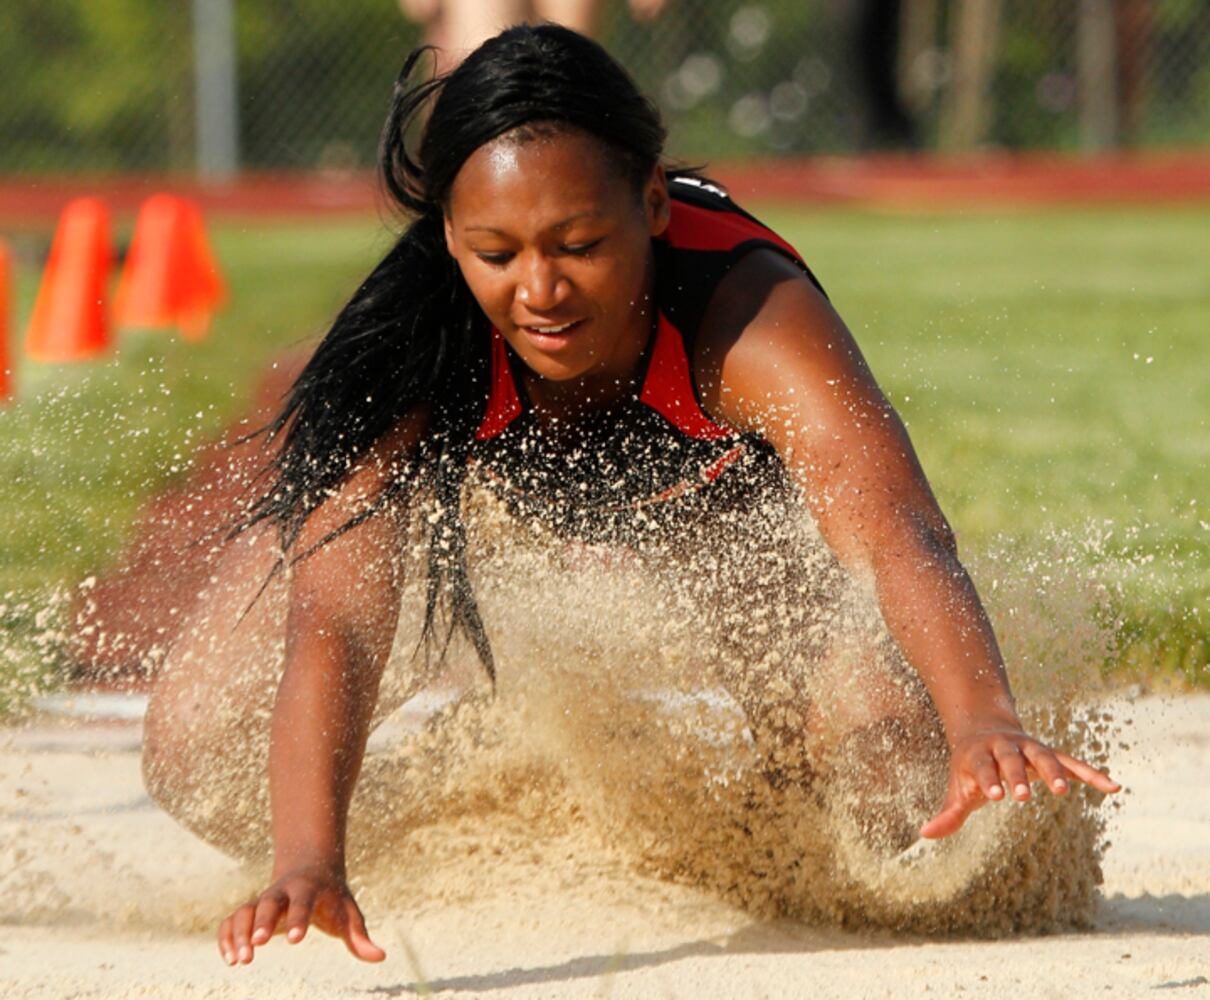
617,723
637,700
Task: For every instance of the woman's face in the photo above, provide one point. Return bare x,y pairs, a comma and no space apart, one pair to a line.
555,245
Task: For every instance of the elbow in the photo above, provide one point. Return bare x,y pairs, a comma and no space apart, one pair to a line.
919,535
935,539
880,538
939,536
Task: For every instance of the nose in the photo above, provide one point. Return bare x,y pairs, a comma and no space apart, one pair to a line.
541,286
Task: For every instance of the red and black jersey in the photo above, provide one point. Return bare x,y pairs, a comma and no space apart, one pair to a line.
655,460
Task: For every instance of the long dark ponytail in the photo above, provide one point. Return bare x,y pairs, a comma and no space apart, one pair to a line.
412,336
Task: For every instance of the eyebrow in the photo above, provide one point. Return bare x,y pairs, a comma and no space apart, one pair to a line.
558,225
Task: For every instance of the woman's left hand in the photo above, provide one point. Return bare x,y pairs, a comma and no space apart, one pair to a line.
987,765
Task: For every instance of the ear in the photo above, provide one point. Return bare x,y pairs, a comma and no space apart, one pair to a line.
448,226
657,202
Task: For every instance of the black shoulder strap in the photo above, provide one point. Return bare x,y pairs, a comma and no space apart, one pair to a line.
708,234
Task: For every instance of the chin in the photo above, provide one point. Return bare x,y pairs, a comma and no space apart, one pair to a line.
553,371
556,369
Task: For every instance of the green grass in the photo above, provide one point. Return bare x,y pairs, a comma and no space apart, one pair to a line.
86,445
1015,345
1052,369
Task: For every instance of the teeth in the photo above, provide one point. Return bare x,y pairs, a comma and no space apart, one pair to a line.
551,329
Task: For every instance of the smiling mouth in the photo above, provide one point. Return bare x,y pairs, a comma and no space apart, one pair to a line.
553,331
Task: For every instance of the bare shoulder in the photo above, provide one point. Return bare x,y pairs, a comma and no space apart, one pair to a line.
774,358
770,338
389,457
400,444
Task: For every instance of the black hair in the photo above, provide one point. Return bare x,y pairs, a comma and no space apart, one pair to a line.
412,336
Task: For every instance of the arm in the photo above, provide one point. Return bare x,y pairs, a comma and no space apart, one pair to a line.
775,358
344,605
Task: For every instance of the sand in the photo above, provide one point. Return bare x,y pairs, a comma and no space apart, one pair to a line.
105,896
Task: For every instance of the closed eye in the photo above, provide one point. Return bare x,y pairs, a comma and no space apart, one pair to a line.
581,249
498,258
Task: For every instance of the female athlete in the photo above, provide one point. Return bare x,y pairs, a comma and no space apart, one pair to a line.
620,352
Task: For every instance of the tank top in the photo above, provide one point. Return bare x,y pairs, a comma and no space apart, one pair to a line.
656,462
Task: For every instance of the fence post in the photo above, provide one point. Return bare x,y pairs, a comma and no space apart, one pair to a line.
1096,58
918,34
974,39
216,88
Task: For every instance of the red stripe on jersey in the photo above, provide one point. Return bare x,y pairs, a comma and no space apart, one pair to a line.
668,387
716,469
503,403
694,228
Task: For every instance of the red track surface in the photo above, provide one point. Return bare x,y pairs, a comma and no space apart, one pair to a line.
916,182
925,182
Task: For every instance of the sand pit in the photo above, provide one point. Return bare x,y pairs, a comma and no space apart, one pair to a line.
105,896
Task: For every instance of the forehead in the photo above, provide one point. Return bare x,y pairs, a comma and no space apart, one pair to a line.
516,185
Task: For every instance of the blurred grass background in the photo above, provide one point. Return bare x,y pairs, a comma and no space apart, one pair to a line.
1051,366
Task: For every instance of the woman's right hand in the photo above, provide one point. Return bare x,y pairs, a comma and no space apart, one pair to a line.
312,894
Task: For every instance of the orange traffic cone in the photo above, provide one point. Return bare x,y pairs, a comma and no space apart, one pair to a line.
6,276
170,277
208,288
69,321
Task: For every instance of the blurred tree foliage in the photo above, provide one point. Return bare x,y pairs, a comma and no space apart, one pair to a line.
96,85
93,85
315,77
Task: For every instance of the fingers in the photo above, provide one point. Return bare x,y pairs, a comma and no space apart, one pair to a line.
295,904
241,934
981,772
1018,760
987,774
338,914
978,777
357,938
298,917
226,940
249,926
253,924
949,820
965,795
1087,773
1011,764
268,914
1046,765
1056,768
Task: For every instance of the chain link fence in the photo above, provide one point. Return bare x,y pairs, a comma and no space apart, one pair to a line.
113,85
